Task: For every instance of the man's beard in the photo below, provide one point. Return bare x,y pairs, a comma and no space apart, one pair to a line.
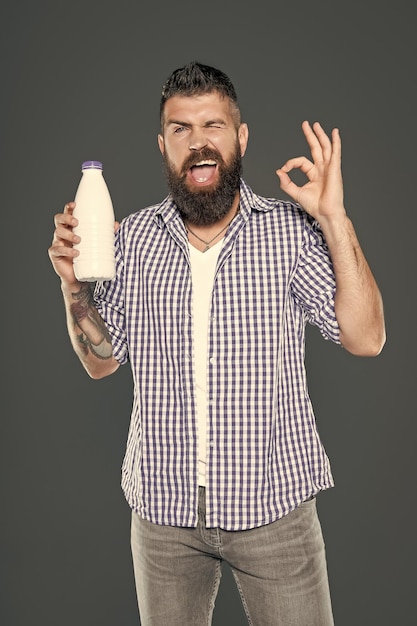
206,206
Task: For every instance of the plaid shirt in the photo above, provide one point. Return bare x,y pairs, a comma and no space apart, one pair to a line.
264,454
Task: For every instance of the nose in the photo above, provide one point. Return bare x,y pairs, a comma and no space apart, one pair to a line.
198,140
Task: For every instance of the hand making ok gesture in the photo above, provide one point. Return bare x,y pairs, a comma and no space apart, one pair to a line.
322,195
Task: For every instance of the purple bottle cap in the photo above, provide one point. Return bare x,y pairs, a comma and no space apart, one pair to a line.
92,165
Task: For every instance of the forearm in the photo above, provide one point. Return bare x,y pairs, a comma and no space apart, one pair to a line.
358,301
87,331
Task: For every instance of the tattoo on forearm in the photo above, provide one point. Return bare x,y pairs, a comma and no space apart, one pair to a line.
102,351
84,301
94,336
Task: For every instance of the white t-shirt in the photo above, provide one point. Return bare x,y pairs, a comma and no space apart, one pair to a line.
203,268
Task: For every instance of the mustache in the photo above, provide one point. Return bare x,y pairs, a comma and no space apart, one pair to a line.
201,155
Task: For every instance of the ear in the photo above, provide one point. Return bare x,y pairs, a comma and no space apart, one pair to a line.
243,136
161,144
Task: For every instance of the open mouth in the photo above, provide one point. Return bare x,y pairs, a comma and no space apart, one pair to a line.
203,171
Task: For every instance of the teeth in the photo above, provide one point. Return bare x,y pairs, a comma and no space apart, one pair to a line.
209,162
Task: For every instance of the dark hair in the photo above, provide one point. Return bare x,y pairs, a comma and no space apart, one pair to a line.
196,79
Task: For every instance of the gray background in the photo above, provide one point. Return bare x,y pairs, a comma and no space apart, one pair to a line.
81,80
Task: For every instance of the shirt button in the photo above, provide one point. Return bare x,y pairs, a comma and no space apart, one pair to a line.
213,360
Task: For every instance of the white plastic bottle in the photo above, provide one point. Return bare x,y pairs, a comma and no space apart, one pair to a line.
95,215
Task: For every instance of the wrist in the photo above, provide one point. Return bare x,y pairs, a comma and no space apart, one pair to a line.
335,226
70,288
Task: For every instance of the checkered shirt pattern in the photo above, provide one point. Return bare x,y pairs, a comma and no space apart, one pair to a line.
264,454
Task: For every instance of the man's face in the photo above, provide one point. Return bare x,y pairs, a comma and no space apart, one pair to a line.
202,148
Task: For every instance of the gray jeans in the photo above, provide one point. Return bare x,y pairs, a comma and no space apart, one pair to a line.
280,571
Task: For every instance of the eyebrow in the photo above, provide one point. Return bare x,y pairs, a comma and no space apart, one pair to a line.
219,121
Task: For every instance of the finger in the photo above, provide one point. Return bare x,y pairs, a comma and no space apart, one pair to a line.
59,250
64,224
69,207
299,163
336,146
66,237
287,185
67,216
65,219
318,140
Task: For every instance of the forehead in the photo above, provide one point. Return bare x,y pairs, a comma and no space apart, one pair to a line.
198,108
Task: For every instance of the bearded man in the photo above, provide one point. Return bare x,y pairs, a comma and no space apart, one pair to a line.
213,289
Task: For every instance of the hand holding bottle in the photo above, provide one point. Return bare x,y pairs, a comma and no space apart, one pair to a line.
62,252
